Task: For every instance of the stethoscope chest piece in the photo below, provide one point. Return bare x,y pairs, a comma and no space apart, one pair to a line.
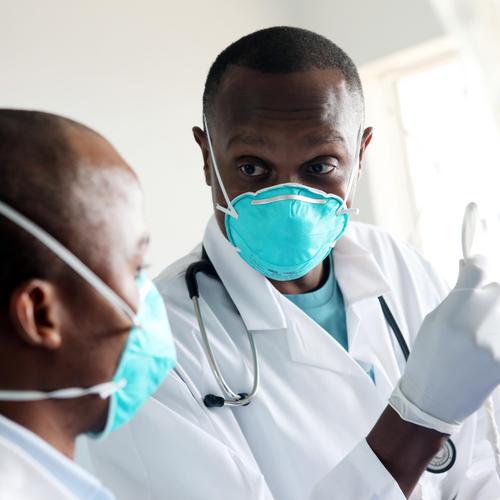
444,459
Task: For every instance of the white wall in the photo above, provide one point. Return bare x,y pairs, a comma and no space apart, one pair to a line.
369,29
134,70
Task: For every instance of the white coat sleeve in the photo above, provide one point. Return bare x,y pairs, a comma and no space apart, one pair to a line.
167,453
481,481
359,475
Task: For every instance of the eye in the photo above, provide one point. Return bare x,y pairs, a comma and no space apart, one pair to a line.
140,269
252,170
321,168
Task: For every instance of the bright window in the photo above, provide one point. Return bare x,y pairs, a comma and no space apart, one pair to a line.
450,149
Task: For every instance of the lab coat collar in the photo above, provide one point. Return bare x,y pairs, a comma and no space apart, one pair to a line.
66,472
249,290
256,299
358,274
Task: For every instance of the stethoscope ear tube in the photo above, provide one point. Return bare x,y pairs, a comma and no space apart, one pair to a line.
191,281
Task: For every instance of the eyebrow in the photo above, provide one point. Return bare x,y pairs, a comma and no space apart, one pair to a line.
320,140
249,140
144,241
309,141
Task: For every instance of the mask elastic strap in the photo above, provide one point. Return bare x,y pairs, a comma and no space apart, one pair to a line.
68,258
104,391
230,209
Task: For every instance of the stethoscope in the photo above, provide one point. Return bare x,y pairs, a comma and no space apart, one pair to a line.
230,397
443,460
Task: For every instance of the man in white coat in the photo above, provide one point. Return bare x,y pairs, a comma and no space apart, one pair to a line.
282,146
65,322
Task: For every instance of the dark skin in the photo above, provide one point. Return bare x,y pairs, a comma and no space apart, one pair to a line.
303,127
283,128
65,339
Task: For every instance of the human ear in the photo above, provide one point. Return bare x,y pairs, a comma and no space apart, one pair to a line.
35,314
365,141
201,139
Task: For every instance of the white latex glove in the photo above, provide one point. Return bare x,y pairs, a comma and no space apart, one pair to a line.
455,361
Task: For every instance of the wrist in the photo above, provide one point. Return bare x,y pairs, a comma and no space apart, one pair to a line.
404,448
412,413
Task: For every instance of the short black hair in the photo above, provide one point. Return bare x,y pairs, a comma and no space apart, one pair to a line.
37,178
281,49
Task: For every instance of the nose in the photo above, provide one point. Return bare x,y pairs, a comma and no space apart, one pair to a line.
283,177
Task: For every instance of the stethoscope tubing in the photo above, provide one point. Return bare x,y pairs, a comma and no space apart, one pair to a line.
242,399
232,398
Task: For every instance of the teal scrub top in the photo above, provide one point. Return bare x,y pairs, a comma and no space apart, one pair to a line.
326,306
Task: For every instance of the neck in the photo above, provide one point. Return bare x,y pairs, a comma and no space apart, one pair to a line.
307,283
47,420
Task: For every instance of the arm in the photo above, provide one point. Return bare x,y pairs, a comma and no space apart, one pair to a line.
454,366
404,448
385,466
424,407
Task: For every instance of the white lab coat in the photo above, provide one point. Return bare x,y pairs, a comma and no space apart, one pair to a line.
22,477
303,436
31,469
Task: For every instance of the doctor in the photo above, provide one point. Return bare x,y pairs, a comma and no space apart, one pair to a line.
282,146
82,345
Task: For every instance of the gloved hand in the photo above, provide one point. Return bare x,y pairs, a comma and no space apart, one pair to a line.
454,364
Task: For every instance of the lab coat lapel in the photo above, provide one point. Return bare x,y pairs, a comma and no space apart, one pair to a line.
358,274
253,295
309,344
263,308
362,282
371,344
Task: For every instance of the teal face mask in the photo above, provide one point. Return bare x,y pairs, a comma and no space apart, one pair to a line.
148,356
149,352
283,231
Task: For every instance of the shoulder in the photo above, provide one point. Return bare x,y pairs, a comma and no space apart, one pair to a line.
172,278
380,242
403,265
21,476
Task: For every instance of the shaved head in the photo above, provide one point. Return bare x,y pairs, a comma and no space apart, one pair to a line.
49,171
56,326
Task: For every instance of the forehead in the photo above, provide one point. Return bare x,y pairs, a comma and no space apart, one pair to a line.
107,194
305,101
112,213
112,197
